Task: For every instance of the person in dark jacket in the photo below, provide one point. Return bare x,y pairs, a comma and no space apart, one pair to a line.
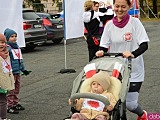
92,21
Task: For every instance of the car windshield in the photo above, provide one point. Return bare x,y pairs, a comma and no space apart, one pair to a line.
44,15
30,16
55,16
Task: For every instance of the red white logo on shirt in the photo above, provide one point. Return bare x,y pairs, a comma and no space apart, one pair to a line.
8,67
94,104
128,36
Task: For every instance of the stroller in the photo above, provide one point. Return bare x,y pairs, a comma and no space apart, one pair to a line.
119,86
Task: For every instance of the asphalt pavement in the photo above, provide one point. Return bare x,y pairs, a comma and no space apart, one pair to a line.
45,92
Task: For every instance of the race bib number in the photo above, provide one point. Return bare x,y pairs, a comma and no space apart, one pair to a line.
17,53
6,66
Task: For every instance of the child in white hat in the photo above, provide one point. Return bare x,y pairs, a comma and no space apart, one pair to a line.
94,109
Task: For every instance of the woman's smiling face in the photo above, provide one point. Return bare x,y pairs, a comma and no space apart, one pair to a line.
121,8
2,45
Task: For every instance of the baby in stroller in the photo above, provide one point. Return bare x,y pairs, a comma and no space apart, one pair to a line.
91,109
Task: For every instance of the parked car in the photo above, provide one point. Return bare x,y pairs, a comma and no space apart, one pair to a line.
54,26
61,14
34,31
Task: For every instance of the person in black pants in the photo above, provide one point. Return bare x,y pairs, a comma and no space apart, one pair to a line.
92,21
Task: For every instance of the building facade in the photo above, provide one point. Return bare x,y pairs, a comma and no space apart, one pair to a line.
49,6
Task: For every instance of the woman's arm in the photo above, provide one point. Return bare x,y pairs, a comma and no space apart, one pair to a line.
142,48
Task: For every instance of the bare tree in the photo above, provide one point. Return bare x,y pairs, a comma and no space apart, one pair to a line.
59,4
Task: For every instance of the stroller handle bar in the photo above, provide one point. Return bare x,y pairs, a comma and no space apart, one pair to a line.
91,96
113,54
118,55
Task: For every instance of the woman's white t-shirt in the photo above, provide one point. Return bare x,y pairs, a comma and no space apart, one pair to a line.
127,38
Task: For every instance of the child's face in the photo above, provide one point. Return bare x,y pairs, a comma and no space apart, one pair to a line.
96,88
13,38
2,45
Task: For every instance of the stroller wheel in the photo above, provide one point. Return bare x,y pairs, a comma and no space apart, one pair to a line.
116,116
124,117
119,112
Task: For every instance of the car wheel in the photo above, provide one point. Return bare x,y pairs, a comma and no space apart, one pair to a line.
57,40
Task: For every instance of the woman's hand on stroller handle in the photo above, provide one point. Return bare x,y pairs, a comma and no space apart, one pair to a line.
101,53
127,54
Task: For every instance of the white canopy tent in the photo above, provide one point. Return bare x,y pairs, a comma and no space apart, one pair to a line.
11,17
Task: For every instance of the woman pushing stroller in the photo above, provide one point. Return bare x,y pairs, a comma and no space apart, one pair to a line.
94,109
126,34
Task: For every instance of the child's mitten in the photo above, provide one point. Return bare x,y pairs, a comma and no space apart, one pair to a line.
26,72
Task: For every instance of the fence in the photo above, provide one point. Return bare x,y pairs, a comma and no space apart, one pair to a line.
147,10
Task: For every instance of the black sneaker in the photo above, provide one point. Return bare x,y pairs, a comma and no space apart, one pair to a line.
19,107
12,111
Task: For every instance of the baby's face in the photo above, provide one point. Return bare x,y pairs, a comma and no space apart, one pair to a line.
96,88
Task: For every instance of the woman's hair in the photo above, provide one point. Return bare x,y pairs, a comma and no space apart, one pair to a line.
95,3
129,2
88,5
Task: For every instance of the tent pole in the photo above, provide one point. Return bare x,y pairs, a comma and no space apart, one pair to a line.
65,70
65,52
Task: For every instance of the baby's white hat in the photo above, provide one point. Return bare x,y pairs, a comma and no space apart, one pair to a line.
101,77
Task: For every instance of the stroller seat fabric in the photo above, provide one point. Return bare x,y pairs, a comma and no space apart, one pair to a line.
115,87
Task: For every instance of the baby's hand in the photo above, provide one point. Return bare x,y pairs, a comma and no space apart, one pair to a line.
70,102
110,108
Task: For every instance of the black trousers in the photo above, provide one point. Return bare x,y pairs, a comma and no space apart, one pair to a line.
3,106
92,51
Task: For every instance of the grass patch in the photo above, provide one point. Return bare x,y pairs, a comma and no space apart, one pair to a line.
150,20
